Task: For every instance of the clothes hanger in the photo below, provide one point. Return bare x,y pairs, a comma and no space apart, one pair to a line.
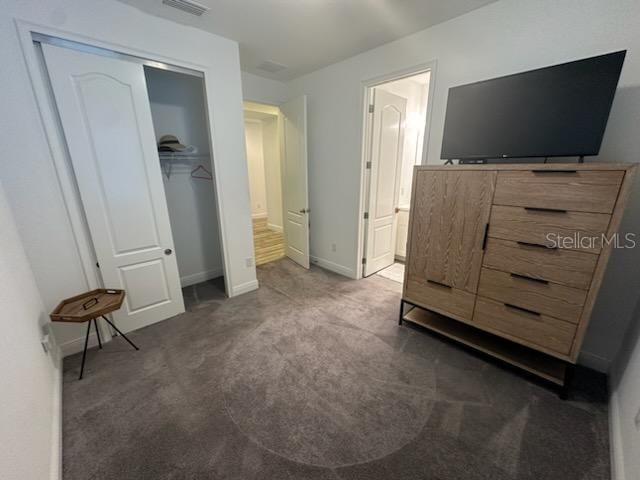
206,176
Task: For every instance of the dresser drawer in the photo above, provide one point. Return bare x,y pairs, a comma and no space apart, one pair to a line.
534,330
567,267
453,302
579,191
543,297
580,231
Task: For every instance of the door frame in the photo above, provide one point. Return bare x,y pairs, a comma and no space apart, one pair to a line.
65,177
367,87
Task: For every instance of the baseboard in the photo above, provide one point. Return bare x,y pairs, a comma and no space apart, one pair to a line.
594,362
244,288
55,470
615,439
77,345
332,266
275,228
257,216
200,277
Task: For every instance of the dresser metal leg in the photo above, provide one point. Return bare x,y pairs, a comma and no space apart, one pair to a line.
568,378
401,312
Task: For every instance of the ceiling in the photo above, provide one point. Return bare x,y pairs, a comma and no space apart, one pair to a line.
305,35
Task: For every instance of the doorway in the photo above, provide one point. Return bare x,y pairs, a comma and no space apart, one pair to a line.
177,104
276,143
261,126
394,142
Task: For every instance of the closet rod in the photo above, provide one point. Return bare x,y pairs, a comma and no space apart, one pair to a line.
83,47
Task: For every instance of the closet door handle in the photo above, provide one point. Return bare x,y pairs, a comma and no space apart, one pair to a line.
531,279
538,245
440,284
168,251
554,171
525,310
541,209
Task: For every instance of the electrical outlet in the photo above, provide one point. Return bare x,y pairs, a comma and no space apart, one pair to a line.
45,343
249,262
333,247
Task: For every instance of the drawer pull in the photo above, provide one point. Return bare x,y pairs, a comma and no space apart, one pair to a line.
440,284
530,244
554,171
524,277
484,238
526,310
541,209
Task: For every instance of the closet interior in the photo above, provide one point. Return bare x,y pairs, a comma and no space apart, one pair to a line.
178,109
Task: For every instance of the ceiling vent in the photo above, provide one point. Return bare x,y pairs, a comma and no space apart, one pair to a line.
271,67
189,6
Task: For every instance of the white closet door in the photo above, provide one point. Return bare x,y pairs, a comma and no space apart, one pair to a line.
105,113
389,116
295,187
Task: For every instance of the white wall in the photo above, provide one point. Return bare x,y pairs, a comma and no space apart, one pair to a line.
272,171
624,410
255,162
29,378
178,108
504,37
263,90
30,177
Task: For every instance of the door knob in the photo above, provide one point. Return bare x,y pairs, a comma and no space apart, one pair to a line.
305,210
168,251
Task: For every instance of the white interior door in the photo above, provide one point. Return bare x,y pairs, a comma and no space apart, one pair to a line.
106,118
294,185
387,139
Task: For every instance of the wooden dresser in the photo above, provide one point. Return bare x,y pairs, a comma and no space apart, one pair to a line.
509,259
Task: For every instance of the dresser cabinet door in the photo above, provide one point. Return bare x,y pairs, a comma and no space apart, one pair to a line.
450,213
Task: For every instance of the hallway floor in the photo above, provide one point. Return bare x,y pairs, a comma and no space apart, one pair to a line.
311,378
268,243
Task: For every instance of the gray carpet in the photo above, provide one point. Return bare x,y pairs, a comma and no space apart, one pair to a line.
310,377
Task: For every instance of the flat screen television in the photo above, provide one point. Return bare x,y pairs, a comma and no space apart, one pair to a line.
557,111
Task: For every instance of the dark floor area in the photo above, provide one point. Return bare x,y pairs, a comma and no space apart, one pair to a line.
310,377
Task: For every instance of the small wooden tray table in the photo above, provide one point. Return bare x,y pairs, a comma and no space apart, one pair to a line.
88,307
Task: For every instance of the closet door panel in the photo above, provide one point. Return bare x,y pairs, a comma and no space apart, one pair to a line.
106,118
447,234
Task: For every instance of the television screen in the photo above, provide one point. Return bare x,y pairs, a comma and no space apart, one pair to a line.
550,112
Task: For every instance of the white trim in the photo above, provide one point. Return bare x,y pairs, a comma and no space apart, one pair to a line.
55,465
76,345
333,267
244,288
594,362
57,146
200,277
615,439
365,98
275,228
258,216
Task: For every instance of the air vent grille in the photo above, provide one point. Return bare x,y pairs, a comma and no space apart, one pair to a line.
271,67
189,6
